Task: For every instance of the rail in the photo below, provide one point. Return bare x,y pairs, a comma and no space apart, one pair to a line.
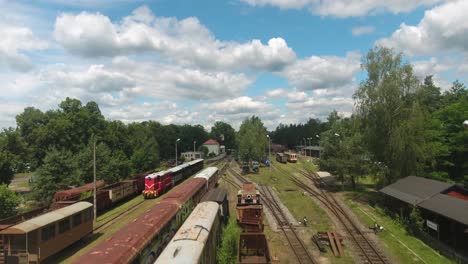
367,250
296,244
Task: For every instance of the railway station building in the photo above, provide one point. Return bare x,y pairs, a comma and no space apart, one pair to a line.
213,146
443,207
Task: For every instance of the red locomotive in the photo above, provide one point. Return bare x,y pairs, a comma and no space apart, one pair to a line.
157,183
160,182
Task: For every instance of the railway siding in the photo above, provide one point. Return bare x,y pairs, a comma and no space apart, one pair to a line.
292,237
365,248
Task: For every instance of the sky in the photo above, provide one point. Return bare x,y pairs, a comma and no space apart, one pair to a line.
197,62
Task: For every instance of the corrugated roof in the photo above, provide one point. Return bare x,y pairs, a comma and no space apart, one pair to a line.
414,190
188,243
211,142
448,206
47,218
216,195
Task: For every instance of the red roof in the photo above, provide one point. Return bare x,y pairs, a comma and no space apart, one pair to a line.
211,142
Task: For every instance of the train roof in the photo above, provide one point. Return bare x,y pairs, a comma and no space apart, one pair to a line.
185,190
178,168
156,174
215,195
125,244
195,161
78,190
207,173
47,218
188,243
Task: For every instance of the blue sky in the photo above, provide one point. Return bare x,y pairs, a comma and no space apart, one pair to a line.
201,61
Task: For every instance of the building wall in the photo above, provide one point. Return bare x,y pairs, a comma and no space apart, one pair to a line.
212,148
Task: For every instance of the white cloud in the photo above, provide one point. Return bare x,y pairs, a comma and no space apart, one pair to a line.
16,40
235,110
358,31
96,79
346,8
323,72
186,40
321,107
165,81
443,28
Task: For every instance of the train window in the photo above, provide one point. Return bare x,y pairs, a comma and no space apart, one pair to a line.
76,219
64,225
87,214
48,232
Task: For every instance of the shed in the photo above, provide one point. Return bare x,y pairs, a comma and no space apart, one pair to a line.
413,190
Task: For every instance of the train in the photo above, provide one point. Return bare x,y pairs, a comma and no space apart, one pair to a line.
197,239
160,182
291,157
143,239
37,239
249,208
280,157
253,246
106,195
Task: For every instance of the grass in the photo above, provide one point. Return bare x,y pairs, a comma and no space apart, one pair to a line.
23,175
299,205
404,247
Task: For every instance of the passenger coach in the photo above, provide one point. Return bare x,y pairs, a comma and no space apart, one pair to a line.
38,238
211,175
197,239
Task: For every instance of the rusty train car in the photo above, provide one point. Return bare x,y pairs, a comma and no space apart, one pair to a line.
39,238
253,246
143,239
280,157
106,196
249,208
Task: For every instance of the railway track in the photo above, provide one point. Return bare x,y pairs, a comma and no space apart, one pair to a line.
366,249
112,219
296,244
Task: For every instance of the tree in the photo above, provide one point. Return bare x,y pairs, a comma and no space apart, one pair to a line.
6,167
343,152
448,140
252,139
109,167
429,95
59,171
8,202
224,133
392,121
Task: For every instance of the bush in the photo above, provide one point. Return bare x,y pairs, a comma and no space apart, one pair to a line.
227,253
8,202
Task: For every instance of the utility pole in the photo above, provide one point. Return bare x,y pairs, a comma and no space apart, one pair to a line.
269,149
94,177
194,146
176,151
